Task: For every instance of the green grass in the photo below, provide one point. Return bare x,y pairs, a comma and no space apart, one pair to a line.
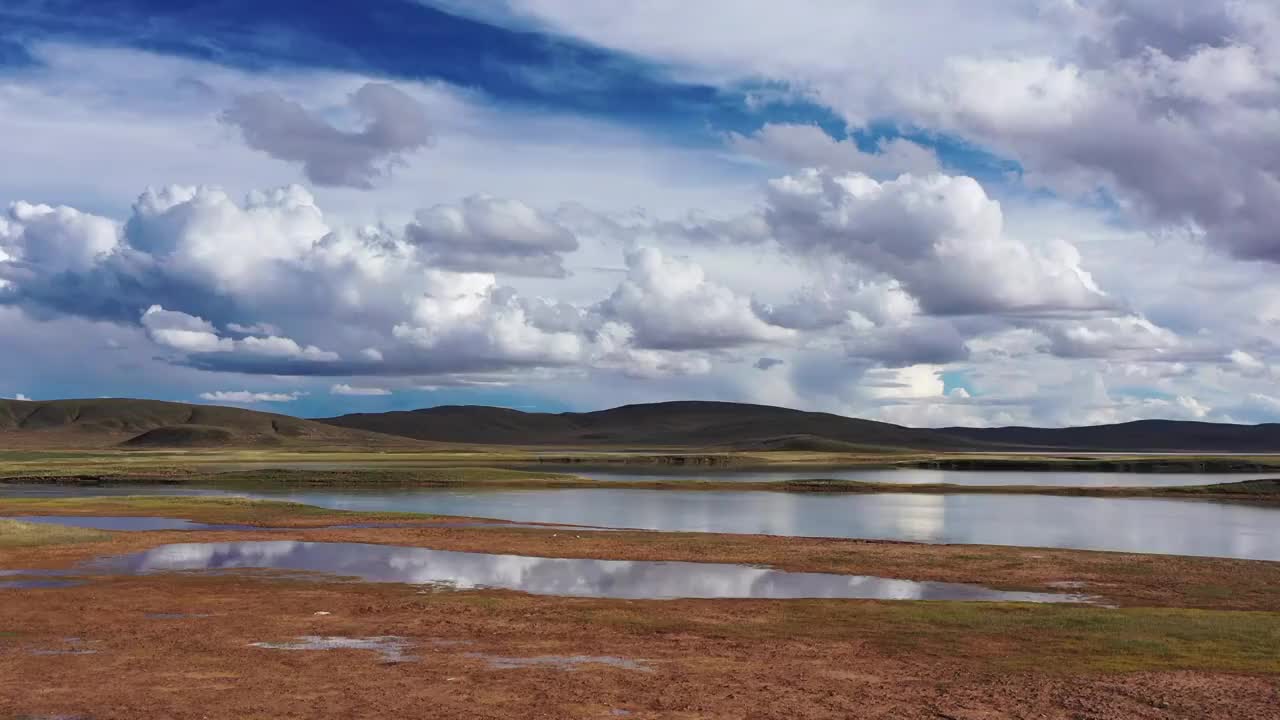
14,533
234,510
1015,636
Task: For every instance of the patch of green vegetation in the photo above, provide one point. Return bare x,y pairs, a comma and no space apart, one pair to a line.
234,510
14,533
1058,637
419,476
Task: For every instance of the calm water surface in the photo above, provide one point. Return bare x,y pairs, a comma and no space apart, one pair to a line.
547,576
1146,525
917,476
910,476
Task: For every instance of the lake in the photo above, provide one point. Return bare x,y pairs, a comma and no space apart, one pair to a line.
907,476
911,476
1145,525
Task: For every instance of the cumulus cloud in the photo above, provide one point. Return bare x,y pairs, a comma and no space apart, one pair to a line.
54,239
1110,337
487,234
941,237
20,397
843,301
394,124
195,335
245,397
345,389
1168,109
671,305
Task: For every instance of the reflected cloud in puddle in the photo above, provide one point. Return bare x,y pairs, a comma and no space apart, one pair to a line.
37,584
561,662
73,646
389,647
175,616
546,576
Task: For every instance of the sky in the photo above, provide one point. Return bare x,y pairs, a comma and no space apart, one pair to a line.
997,212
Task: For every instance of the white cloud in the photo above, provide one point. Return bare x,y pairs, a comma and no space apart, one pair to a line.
394,124
55,239
1175,121
486,234
939,236
245,397
671,305
345,389
1110,337
190,334
793,147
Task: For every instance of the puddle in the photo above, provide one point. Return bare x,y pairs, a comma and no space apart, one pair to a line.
103,522
37,584
74,646
394,649
389,647
174,616
561,662
545,576
468,526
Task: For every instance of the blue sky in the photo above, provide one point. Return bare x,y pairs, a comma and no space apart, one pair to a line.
930,217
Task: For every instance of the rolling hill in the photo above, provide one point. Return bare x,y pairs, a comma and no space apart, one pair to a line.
670,424
740,426
144,424
152,423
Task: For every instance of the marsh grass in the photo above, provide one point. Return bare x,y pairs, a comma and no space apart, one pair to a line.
1015,636
14,533
231,510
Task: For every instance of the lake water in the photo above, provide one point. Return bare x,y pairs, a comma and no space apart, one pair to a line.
909,476
1145,525
913,476
546,576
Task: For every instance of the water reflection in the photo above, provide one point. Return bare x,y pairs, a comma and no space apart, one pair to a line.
909,476
1144,525
547,576
905,476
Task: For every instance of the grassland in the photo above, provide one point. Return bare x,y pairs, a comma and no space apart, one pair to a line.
249,469
15,534
1192,637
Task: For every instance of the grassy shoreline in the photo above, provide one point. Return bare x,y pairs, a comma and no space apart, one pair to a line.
1259,491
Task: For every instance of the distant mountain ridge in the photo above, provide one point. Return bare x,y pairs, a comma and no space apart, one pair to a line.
155,423
763,427
676,425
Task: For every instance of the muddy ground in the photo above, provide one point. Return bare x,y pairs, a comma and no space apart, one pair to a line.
1193,638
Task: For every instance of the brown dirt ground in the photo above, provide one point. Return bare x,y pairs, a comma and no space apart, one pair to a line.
709,658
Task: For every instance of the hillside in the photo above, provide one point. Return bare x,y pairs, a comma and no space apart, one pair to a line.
141,424
1141,435
152,423
671,424
739,426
